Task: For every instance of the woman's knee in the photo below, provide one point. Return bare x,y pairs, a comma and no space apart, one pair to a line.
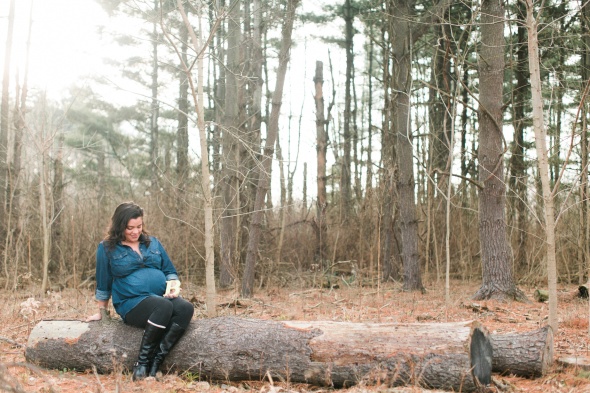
183,312
184,307
162,308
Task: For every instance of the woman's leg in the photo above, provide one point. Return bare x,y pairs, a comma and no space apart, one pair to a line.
153,314
182,312
181,316
155,309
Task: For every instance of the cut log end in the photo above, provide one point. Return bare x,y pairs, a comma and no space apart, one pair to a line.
481,356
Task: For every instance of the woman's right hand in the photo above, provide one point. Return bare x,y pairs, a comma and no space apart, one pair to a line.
95,317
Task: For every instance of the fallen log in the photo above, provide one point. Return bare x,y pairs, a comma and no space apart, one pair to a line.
451,356
527,354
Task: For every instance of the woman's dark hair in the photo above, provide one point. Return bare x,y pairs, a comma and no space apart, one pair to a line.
123,213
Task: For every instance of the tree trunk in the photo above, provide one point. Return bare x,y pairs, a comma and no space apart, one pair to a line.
44,212
198,98
182,163
228,230
543,163
518,175
440,107
400,41
264,168
496,256
440,356
283,204
217,65
345,178
370,71
248,132
4,118
57,197
322,146
13,217
155,107
584,233
387,264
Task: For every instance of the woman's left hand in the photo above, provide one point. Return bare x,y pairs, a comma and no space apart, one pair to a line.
173,289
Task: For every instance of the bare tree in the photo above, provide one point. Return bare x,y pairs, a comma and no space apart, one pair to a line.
182,162
44,142
4,116
518,175
542,160
584,233
231,122
198,97
345,177
321,146
155,106
264,167
13,224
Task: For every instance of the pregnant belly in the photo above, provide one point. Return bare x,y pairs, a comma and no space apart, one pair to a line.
144,282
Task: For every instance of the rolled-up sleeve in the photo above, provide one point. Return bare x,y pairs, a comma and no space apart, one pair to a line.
104,279
167,267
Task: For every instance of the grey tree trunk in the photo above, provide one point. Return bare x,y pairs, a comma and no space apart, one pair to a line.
387,265
217,65
345,177
518,173
543,162
440,110
229,157
182,166
401,81
57,198
452,356
44,211
264,167
155,106
322,147
198,99
4,118
584,232
13,218
496,256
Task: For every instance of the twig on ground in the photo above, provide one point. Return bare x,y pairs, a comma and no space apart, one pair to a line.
97,378
36,370
11,342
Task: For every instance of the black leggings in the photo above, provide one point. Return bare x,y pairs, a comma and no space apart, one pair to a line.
161,312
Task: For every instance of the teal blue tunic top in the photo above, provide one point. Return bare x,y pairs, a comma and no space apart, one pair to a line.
129,278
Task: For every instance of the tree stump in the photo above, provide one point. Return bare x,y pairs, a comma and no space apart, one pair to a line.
528,354
451,356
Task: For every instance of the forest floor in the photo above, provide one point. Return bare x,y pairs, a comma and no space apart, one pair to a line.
20,312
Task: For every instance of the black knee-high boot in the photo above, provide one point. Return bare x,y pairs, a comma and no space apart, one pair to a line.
150,340
170,338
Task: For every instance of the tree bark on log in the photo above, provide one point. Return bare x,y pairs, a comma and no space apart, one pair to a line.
452,356
528,354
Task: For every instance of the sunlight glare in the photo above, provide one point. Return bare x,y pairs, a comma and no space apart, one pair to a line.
65,42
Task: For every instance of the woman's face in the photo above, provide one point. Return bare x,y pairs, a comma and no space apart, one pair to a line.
133,230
